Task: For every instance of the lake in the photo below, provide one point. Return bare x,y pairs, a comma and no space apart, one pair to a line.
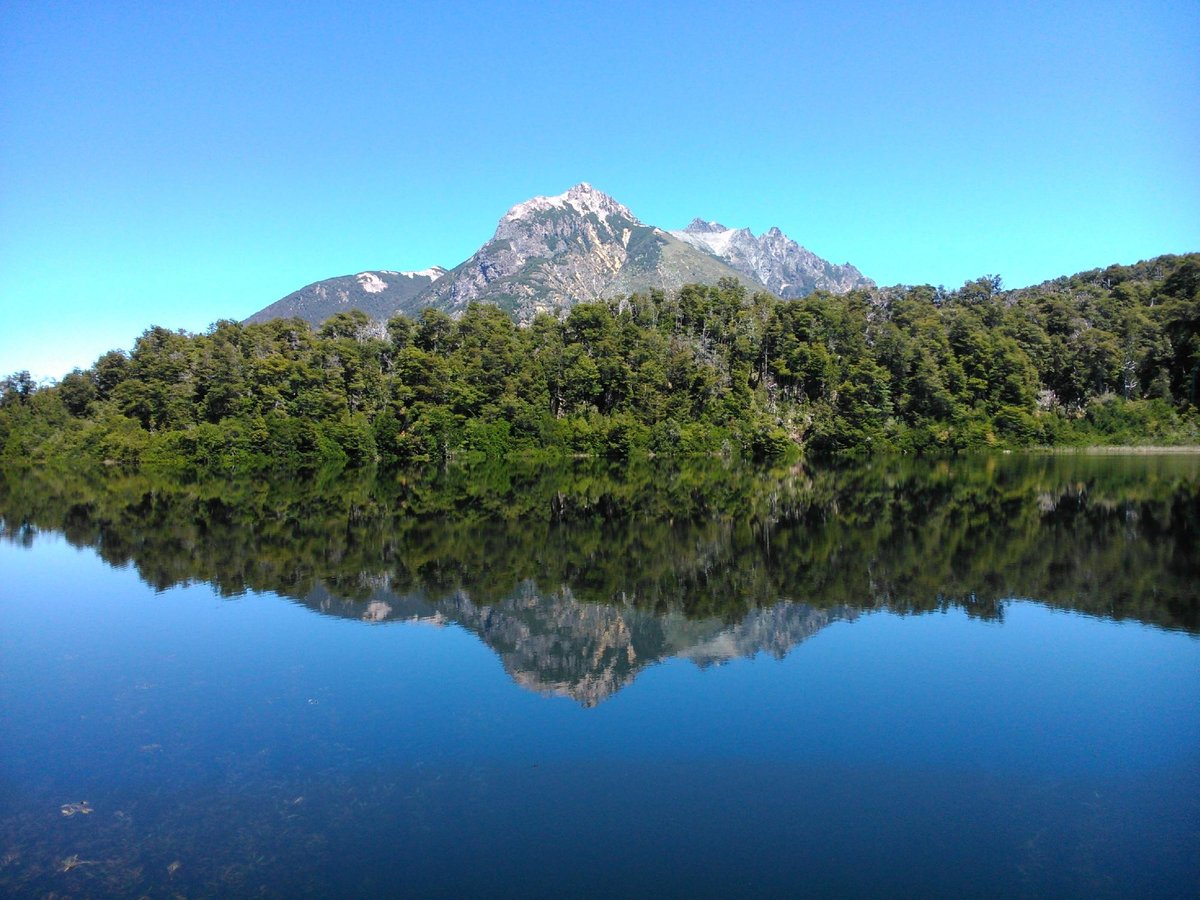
969,677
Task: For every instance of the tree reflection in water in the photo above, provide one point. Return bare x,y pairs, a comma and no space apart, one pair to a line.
579,578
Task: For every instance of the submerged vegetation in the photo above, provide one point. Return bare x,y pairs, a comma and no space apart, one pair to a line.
1108,356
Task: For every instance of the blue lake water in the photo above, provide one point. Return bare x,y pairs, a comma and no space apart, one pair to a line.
507,731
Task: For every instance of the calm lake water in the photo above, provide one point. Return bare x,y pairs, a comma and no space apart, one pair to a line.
969,678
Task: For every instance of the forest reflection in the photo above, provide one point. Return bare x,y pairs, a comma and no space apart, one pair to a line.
579,578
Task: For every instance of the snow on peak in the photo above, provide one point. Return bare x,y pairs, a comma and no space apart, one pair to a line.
582,198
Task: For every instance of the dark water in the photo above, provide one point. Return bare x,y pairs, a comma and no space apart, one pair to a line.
967,678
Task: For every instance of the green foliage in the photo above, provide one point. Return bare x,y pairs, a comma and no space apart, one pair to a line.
1106,356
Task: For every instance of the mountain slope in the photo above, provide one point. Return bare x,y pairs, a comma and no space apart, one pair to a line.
380,294
773,260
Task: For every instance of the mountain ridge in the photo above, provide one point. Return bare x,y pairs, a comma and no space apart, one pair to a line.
772,259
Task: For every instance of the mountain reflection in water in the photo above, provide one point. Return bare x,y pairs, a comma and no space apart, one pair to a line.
554,644
579,579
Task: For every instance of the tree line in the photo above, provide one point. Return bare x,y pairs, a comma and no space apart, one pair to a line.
1107,356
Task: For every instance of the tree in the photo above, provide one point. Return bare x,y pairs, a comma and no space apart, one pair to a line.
77,391
17,388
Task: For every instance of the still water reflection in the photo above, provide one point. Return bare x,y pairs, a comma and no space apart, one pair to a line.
979,676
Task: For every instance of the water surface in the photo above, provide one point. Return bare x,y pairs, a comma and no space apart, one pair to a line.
973,677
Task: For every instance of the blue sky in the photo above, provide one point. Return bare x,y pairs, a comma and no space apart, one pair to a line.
179,164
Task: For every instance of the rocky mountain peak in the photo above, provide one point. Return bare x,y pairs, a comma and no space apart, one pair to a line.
772,259
699,226
582,199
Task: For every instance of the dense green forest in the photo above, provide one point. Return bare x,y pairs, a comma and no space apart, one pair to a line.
1108,356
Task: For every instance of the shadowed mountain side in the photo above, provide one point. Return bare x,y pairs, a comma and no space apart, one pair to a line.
553,644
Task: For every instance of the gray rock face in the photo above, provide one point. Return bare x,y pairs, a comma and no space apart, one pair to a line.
773,260
380,294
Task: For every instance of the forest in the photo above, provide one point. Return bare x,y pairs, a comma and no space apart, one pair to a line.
1110,356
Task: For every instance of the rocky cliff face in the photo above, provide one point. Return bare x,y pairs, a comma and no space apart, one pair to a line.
773,260
380,294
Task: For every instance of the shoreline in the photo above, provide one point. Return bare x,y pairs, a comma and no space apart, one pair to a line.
1116,450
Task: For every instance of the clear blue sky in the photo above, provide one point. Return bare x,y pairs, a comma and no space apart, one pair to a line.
180,164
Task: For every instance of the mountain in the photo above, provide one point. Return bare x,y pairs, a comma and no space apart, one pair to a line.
773,260
381,294
549,253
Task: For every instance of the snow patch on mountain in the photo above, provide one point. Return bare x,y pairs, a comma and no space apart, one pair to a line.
716,241
371,283
433,273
